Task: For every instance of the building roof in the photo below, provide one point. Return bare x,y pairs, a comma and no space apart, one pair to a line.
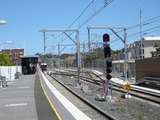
122,61
30,56
151,38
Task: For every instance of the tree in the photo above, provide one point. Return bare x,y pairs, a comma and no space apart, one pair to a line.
4,59
157,52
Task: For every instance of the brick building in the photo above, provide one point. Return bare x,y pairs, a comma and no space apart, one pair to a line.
14,54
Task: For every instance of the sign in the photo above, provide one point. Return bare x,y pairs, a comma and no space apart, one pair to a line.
126,86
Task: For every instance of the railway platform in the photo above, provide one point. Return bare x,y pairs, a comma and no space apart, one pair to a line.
23,99
17,100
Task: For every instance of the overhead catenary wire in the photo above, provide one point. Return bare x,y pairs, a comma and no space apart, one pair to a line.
97,12
155,27
149,30
107,2
83,11
144,23
79,16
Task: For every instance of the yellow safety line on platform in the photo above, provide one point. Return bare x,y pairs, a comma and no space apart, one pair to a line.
52,106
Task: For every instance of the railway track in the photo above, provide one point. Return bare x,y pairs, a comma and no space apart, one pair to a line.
140,94
88,106
135,90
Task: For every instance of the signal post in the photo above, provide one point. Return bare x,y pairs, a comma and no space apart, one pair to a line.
108,64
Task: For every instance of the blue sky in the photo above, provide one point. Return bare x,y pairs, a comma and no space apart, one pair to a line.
26,17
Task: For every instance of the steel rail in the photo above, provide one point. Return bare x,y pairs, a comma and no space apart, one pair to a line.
146,95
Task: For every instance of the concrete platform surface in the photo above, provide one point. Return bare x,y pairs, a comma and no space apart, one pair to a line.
24,99
17,100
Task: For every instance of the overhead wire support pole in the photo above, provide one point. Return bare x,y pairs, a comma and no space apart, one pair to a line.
44,40
89,39
77,43
78,56
59,59
141,48
125,51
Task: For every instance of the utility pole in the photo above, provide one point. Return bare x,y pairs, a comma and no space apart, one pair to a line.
78,56
59,59
44,40
141,44
126,55
83,66
89,40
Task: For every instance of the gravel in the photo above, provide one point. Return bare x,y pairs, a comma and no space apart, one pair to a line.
122,109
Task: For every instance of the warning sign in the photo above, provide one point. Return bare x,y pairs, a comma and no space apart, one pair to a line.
126,86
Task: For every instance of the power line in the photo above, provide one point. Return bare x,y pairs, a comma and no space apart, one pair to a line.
133,34
83,11
107,2
151,31
155,27
146,22
97,12
80,15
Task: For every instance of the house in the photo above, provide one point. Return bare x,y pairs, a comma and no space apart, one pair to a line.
148,43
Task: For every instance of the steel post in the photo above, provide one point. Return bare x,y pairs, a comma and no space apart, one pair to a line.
89,40
126,56
44,40
59,60
78,56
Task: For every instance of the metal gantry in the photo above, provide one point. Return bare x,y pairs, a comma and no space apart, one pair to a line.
76,42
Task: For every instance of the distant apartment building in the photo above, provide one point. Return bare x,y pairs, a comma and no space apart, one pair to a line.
14,54
148,43
135,52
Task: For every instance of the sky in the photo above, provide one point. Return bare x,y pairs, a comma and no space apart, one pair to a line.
25,18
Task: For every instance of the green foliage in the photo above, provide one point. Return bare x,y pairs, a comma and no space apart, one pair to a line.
157,44
90,57
157,52
4,59
94,55
65,55
141,117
